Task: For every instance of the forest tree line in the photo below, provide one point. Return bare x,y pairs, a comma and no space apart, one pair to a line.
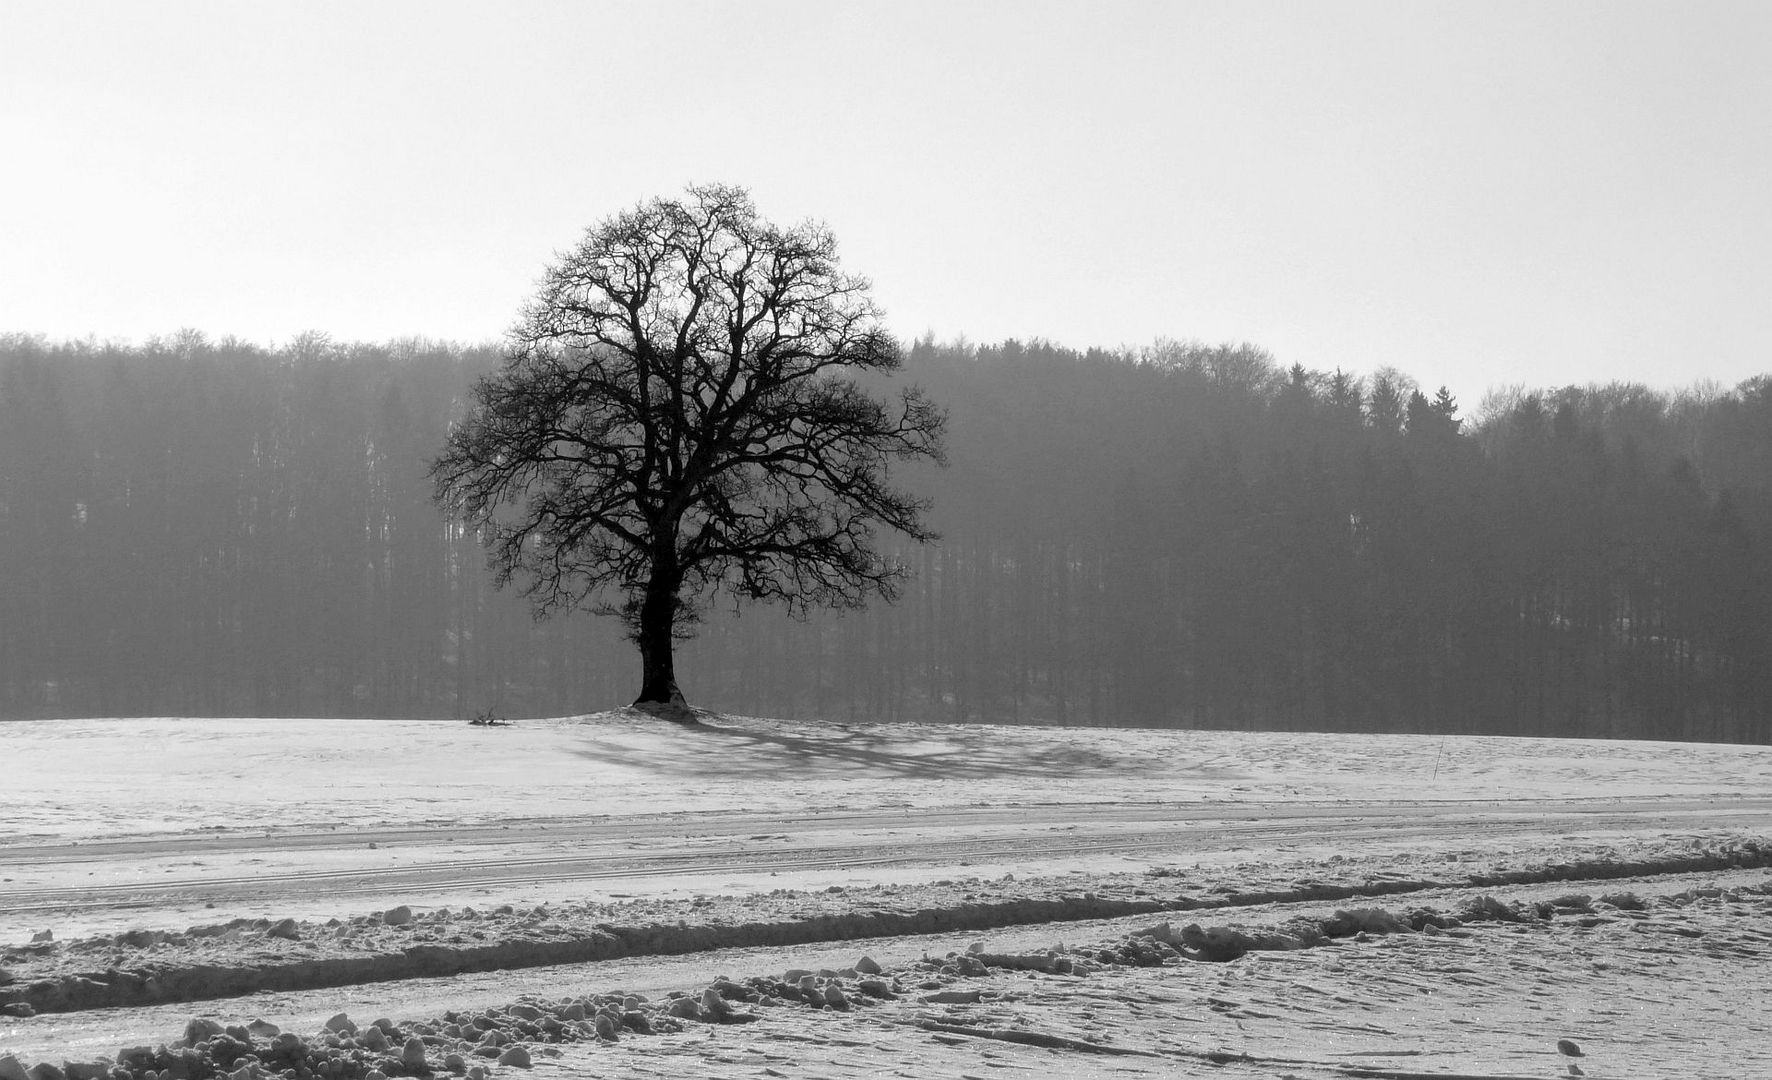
1181,535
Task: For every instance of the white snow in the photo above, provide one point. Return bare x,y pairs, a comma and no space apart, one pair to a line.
91,779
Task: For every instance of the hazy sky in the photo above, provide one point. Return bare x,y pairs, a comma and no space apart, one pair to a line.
1478,194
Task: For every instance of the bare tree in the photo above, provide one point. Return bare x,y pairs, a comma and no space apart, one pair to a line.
679,413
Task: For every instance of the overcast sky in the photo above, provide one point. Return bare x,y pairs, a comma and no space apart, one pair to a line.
1477,194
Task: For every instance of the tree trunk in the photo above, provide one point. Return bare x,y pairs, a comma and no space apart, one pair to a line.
658,687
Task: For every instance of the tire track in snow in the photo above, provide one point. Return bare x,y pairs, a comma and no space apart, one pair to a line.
751,844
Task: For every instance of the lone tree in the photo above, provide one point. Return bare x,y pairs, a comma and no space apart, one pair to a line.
678,413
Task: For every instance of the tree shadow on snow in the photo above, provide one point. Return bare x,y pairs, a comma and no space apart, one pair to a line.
729,748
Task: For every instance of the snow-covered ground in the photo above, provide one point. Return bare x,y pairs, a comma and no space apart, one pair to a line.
89,779
621,820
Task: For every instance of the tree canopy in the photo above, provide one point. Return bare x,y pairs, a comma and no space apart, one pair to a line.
681,412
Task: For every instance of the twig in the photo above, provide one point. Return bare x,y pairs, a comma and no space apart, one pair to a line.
1033,1038
1216,1057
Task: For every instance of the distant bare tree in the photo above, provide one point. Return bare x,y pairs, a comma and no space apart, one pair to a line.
678,413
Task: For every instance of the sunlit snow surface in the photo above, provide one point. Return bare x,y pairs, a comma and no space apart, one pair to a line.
109,825
114,777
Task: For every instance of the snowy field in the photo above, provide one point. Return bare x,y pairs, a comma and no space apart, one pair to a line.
716,829
96,779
